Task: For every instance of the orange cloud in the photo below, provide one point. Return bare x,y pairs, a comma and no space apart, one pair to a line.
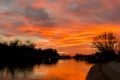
67,25
76,39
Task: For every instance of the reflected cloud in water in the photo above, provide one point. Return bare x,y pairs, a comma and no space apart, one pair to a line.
62,70
23,71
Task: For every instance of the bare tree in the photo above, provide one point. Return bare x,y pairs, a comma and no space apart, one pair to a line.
105,42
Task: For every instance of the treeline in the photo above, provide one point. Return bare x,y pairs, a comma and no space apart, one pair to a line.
19,52
107,48
97,57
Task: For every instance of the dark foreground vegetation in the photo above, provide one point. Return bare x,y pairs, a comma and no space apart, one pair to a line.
18,52
107,48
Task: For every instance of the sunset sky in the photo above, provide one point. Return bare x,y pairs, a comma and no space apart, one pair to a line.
66,25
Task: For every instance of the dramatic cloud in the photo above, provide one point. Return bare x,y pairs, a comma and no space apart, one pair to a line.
67,25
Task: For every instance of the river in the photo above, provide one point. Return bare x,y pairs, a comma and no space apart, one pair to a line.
62,70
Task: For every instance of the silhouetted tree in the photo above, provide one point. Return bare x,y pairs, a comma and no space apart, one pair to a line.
105,42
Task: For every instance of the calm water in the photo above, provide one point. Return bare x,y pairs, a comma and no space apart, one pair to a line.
63,70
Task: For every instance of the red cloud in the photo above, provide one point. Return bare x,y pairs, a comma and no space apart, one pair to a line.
67,25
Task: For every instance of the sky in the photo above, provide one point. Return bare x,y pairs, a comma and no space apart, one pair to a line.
66,25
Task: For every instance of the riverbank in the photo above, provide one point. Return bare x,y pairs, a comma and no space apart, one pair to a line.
105,71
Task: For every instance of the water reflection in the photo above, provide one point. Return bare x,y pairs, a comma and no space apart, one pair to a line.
15,72
62,70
